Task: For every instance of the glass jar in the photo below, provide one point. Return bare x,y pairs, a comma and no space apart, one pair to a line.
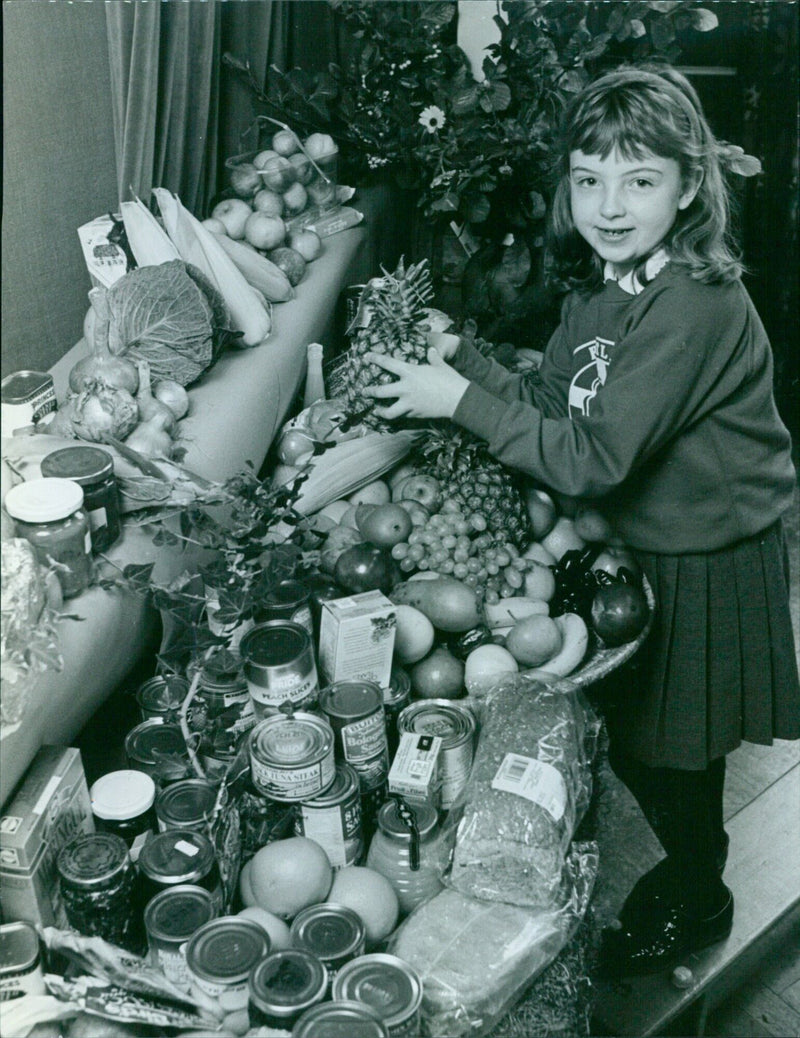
122,803
49,514
99,889
93,470
180,856
410,850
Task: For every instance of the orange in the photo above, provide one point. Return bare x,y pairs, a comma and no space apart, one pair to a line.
288,875
371,896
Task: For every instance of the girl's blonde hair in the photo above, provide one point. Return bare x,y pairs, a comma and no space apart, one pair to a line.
636,110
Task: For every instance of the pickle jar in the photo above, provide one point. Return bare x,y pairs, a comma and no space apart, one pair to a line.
93,470
99,889
410,850
49,514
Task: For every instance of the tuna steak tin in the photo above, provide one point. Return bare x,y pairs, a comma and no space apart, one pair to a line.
333,818
279,666
221,955
291,756
387,984
455,726
170,919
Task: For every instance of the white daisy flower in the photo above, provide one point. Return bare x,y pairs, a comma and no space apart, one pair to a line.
432,118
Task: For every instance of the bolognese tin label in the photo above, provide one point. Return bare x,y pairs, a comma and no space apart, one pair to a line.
455,726
355,712
279,666
292,756
333,819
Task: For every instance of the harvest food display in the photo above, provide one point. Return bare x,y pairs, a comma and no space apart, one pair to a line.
375,733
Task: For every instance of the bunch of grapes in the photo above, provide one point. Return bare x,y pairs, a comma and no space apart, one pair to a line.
454,544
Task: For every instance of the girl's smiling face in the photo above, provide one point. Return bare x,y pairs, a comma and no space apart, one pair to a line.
624,208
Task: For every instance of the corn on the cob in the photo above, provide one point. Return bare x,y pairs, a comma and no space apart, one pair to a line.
250,312
149,242
258,271
345,468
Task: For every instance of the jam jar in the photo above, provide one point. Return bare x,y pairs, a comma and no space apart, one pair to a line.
180,856
99,889
410,850
49,513
93,470
122,803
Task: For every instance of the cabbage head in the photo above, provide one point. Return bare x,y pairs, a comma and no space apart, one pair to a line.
171,316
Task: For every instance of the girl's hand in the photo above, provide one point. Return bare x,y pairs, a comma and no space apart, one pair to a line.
431,390
445,343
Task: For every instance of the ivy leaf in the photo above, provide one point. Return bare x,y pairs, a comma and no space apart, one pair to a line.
448,203
464,100
703,20
164,536
138,576
478,209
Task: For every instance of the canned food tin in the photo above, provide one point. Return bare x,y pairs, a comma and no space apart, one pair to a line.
290,600
20,962
221,955
153,745
340,1019
455,726
355,712
387,984
170,919
178,856
279,666
333,818
334,933
26,396
161,697
396,697
187,804
291,757
285,985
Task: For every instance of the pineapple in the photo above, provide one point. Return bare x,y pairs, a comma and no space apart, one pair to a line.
470,477
391,315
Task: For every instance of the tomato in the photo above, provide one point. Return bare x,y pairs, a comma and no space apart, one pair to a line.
365,567
619,612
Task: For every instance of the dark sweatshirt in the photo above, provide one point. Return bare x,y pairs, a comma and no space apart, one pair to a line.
658,408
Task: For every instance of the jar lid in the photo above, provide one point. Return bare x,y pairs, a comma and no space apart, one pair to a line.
122,794
176,856
43,500
92,860
287,981
391,821
227,949
81,464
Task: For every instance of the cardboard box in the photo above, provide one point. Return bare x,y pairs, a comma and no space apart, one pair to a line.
414,774
356,638
51,806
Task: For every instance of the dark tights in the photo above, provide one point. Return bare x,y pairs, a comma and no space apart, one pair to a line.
684,809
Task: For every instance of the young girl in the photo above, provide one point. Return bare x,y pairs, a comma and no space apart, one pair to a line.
655,402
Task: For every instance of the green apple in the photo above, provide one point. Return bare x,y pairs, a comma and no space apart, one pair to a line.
285,143
295,199
232,213
263,231
269,202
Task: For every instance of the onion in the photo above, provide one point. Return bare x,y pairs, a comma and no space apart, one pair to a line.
172,393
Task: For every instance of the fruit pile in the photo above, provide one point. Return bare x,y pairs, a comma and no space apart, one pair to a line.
272,191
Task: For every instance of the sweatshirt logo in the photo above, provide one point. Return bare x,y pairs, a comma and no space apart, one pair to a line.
588,379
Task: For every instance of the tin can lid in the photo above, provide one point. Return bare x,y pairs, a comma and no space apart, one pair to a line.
282,739
287,981
340,1020
223,674
43,500
92,860
273,643
19,948
19,385
349,699
84,465
391,822
123,794
162,693
176,855
226,949
185,803
385,982
345,782
328,930
176,913
453,724
151,739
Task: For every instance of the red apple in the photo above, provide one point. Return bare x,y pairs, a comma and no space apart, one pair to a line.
424,489
245,179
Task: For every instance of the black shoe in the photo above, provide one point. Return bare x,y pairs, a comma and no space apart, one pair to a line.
659,886
661,941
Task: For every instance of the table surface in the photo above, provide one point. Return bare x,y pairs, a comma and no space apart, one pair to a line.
235,410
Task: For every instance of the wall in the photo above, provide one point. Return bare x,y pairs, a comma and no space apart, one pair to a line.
58,171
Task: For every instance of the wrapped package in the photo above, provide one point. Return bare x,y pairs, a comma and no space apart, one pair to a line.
528,789
474,958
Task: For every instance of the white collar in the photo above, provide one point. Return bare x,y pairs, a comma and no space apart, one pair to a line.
632,285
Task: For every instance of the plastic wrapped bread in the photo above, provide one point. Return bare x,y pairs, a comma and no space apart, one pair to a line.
475,958
529,787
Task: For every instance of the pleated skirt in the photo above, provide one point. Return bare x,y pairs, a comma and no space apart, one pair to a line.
719,666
